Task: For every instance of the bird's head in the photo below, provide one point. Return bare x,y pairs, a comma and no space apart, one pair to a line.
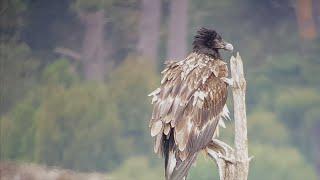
209,42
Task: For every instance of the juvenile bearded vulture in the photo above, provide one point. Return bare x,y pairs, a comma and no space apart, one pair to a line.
190,103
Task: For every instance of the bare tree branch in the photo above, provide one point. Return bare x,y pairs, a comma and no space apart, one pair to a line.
68,52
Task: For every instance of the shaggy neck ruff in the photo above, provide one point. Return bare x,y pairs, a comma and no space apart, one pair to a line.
213,53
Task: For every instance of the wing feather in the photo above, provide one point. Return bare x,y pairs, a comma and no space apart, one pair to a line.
189,103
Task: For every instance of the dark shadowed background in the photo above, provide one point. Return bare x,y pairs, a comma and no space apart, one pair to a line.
75,74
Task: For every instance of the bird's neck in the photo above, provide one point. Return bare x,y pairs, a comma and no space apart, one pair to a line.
213,53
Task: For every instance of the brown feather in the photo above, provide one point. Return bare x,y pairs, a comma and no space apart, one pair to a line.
190,103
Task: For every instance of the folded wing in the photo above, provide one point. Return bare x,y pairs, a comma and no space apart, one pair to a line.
188,106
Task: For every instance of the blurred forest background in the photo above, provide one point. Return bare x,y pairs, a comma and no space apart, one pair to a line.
75,75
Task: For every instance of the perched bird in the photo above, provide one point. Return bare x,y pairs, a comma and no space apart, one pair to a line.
190,104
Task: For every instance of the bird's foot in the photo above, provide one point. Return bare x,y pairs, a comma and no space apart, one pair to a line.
226,158
221,160
220,150
229,81
227,149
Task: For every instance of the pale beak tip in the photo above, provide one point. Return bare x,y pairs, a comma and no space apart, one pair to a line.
229,47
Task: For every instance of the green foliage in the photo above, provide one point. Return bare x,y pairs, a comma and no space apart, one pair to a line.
311,118
286,68
131,83
61,72
11,16
49,115
265,128
97,131
279,163
63,129
92,5
16,125
292,104
77,131
299,110
203,169
17,69
137,168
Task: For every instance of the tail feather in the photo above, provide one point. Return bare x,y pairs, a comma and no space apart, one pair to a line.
175,169
168,153
180,172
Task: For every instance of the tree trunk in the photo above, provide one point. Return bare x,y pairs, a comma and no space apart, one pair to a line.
149,28
234,165
94,48
317,148
316,5
240,118
307,28
177,37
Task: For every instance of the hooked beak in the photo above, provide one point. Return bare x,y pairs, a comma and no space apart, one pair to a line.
227,46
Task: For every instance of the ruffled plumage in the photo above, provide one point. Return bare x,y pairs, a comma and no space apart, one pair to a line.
188,107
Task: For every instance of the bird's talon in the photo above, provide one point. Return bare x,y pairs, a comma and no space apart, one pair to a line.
225,158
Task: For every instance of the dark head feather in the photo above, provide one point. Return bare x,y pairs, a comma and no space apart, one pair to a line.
208,41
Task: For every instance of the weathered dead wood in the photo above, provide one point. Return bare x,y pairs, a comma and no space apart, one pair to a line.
240,118
234,163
